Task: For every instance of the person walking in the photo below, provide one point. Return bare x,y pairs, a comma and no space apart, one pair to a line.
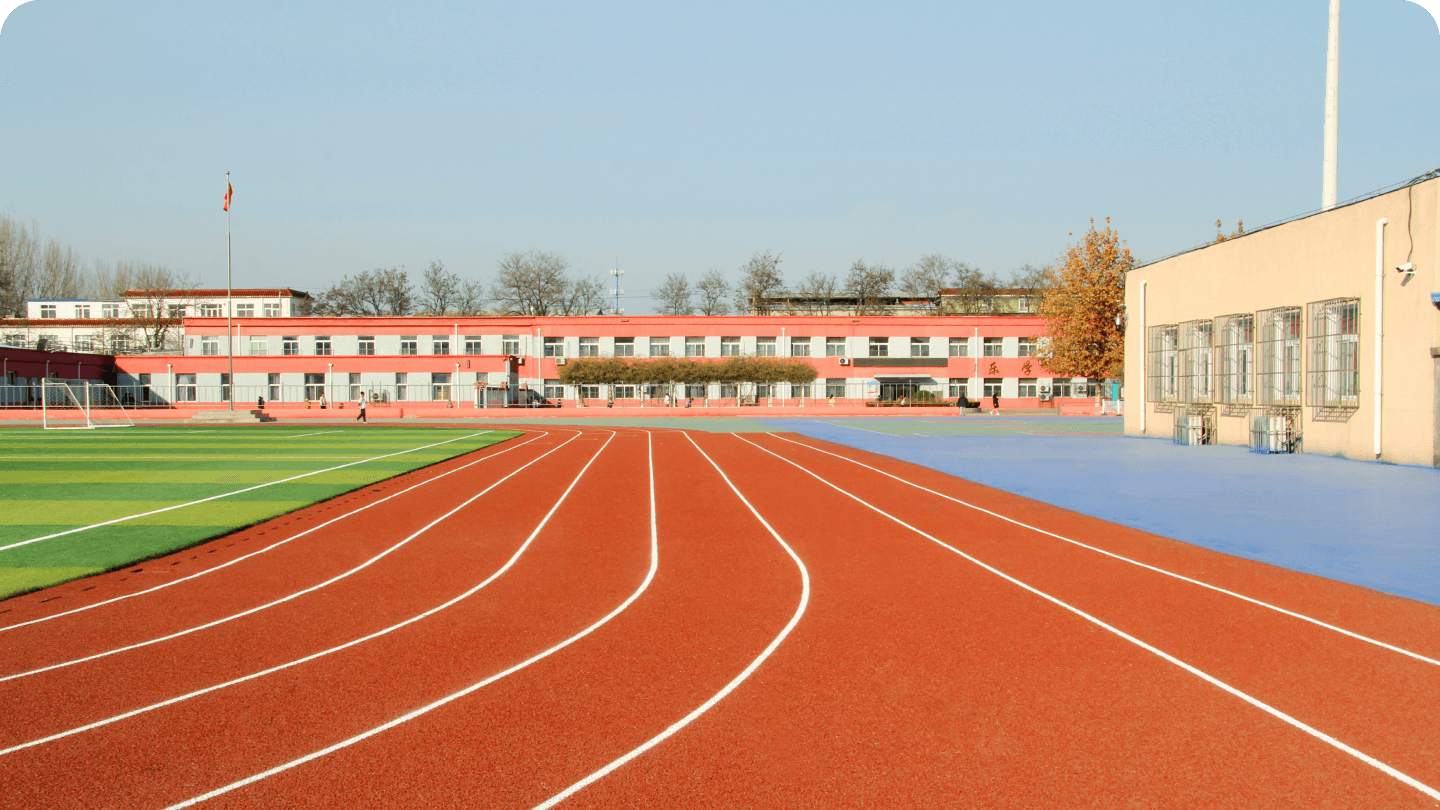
260,403
995,403
360,417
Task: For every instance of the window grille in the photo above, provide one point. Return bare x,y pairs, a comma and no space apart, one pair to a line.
1195,424
1235,359
1335,353
1277,374
1196,339
1163,363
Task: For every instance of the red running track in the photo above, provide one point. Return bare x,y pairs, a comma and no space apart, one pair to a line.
617,598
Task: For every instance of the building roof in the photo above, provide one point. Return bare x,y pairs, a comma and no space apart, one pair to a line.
248,292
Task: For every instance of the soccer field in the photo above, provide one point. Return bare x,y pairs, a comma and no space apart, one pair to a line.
74,503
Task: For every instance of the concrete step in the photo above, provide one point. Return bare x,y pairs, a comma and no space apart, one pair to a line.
229,417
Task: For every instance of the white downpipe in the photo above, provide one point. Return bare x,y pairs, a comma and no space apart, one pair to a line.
1144,358
1329,186
1379,323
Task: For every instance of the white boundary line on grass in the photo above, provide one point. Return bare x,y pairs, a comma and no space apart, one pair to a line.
1216,588
283,599
321,433
1253,701
272,545
649,577
729,687
296,662
236,492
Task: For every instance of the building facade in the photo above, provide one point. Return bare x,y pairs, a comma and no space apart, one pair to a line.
479,361
1319,335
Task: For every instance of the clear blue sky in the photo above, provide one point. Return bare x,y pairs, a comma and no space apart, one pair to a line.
679,137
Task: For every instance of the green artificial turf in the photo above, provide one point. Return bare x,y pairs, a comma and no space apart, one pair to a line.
59,481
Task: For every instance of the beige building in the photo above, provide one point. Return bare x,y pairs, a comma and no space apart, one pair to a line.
1318,335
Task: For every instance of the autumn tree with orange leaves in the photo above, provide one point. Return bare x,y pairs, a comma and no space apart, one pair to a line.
1085,299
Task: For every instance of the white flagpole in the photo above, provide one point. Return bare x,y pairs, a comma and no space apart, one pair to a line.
229,306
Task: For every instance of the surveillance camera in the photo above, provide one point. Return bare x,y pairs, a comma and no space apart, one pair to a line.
1407,267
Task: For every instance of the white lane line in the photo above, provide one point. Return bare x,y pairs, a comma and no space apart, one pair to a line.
321,433
287,665
1253,701
178,457
852,427
294,595
1111,554
273,545
729,687
649,576
236,492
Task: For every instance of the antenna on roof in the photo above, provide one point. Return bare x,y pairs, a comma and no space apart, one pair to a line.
616,291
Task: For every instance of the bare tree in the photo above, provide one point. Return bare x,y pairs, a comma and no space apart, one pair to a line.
674,295
973,293
926,278
439,289
17,266
868,284
1031,282
59,274
819,291
760,277
371,292
399,297
713,290
472,297
158,300
581,296
530,283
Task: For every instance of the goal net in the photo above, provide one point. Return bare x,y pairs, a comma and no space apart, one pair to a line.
82,405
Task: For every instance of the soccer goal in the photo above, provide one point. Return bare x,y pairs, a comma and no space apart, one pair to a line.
82,405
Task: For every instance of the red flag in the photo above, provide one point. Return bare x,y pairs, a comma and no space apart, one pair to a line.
229,192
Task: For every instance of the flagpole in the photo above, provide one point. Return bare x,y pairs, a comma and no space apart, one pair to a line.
229,306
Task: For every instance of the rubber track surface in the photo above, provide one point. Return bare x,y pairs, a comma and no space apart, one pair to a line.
914,678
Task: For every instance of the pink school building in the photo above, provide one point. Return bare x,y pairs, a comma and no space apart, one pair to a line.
489,361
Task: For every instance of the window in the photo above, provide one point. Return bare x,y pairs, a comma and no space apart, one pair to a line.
765,347
554,390
47,310
659,347
834,347
109,310
244,310
1061,387
1163,363
209,345
206,311
510,345
623,392
184,387
1023,302
314,387
992,386
959,347
919,347
879,347
1335,353
1235,359
271,310
589,391
141,310
589,347
82,311
289,345
440,386
835,387
84,343
144,381
409,344
472,344
259,346
799,347
625,347
554,347
994,347
1277,378
354,386
1027,345
401,385
177,311
272,381
959,387
1196,339
729,347
224,387
365,346
439,344
695,391
322,344
1028,387
120,344
694,347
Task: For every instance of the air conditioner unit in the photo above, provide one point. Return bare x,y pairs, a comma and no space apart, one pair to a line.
559,361
844,361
